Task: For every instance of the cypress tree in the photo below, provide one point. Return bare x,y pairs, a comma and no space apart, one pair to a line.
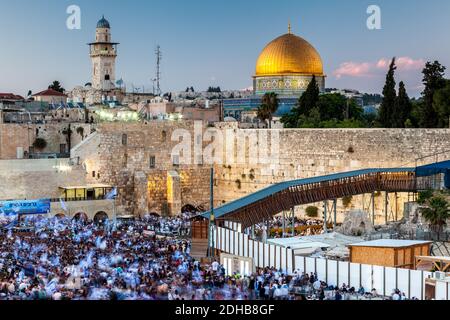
403,108
389,98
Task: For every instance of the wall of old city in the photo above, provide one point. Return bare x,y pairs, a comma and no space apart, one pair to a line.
121,155
22,136
37,179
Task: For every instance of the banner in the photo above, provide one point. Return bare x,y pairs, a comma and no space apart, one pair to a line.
10,208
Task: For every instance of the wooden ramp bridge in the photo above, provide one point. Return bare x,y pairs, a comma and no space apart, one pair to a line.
266,203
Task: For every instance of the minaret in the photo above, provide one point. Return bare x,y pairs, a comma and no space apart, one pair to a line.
103,54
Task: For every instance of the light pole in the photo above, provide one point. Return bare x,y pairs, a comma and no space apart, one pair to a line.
212,218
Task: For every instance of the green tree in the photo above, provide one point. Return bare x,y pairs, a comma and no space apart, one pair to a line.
437,213
307,102
269,105
433,79
403,108
56,85
441,104
387,107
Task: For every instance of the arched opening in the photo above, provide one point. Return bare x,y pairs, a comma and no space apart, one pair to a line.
101,217
107,77
189,208
154,214
81,217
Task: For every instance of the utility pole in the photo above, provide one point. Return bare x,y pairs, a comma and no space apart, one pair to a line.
158,70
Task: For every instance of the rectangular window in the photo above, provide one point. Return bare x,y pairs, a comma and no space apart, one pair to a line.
93,174
176,160
124,139
152,162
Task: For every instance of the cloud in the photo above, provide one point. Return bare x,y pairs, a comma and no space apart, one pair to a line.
371,69
353,69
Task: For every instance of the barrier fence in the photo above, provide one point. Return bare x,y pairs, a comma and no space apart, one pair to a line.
336,273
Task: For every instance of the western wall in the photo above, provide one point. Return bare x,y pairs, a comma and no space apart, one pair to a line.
137,158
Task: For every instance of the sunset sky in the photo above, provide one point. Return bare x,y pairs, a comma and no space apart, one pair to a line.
216,43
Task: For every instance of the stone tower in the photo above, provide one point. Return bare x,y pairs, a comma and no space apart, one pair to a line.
103,54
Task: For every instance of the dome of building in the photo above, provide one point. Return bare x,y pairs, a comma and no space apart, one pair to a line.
103,23
289,55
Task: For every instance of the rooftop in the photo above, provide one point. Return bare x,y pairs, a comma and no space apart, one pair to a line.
389,243
50,92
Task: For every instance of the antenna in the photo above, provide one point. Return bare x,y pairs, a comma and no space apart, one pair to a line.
158,69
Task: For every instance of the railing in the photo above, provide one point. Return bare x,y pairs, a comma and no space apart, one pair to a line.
74,199
308,193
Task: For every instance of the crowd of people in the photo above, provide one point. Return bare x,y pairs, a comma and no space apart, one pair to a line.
62,259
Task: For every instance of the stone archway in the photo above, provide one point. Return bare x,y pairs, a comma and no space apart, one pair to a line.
189,208
81,216
101,217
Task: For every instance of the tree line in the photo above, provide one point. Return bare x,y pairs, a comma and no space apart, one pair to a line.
397,110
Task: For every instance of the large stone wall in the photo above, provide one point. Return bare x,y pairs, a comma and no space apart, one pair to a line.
13,136
36,179
125,161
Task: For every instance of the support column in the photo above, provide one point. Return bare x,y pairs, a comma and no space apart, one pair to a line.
284,224
325,208
373,208
396,207
253,232
335,213
293,221
386,199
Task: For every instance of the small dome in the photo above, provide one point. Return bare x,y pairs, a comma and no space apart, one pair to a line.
103,23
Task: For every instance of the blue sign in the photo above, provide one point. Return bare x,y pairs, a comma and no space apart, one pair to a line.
9,208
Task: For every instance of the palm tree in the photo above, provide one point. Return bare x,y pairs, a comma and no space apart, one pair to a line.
437,213
269,105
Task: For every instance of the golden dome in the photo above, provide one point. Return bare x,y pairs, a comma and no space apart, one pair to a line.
287,55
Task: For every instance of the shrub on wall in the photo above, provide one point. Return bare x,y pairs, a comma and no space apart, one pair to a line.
312,212
39,144
347,201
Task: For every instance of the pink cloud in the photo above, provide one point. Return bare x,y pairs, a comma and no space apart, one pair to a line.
353,69
403,63
370,69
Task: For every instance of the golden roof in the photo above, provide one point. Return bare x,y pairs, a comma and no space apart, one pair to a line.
287,55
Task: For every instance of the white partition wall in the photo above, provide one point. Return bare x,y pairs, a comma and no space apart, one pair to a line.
332,273
390,280
335,273
378,279
343,273
321,265
355,275
417,290
403,281
300,264
310,265
442,290
366,277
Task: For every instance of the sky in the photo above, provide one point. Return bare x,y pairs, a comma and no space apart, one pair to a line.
216,43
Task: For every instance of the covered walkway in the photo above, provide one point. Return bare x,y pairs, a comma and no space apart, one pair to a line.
266,203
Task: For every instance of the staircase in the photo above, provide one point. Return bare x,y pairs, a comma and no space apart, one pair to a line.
199,248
